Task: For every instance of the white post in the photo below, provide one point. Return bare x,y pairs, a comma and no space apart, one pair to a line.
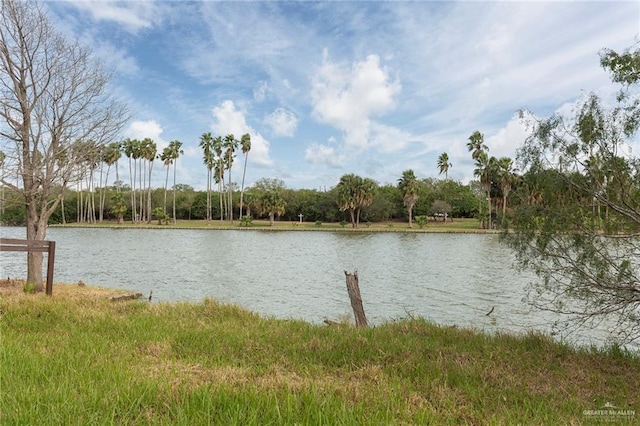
300,216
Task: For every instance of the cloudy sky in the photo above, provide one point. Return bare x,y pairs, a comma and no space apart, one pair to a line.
328,88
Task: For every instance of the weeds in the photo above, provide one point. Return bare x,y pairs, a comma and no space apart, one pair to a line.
76,358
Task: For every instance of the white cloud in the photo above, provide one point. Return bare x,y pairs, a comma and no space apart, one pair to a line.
390,139
117,59
323,154
347,98
282,122
133,15
146,129
227,119
260,92
507,139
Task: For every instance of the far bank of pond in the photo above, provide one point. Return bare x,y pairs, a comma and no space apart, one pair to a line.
467,226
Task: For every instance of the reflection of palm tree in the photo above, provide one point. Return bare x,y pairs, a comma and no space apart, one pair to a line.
444,164
245,143
408,185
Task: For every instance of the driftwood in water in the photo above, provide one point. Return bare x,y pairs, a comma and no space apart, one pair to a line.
356,300
126,296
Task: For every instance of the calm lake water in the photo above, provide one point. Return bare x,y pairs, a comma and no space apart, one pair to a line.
448,278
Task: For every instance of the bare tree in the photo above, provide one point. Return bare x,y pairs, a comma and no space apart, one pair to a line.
53,96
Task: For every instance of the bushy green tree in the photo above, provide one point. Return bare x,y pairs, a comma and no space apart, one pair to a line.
353,193
270,200
577,209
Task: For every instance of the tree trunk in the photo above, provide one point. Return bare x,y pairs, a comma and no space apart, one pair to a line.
353,289
149,215
271,219
244,172
166,183
410,217
174,191
36,230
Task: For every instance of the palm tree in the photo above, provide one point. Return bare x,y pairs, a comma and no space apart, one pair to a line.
408,185
271,202
166,159
150,151
219,164
176,152
268,199
245,143
507,175
476,145
130,149
444,164
92,156
207,145
230,144
484,170
110,156
354,193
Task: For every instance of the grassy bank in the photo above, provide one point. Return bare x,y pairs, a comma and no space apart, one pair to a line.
457,226
77,358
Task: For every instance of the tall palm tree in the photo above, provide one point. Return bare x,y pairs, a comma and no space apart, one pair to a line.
484,170
219,175
176,152
92,157
476,145
408,185
166,159
150,151
208,157
128,147
230,144
507,175
245,143
444,164
110,156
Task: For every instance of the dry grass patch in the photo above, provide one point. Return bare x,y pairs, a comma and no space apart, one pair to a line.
13,289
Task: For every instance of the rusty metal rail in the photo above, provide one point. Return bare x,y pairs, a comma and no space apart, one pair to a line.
34,246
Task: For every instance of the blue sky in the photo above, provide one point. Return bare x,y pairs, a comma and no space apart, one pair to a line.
328,88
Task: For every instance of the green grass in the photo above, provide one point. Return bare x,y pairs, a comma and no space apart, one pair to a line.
77,359
458,225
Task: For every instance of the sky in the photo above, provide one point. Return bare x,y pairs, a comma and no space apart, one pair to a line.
328,88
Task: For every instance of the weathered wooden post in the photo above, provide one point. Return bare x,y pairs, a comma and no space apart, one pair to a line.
34,246
356,300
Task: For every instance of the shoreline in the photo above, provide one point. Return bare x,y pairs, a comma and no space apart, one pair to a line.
309,227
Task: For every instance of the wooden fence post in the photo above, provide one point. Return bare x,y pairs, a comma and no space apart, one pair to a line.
34,246
356,300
